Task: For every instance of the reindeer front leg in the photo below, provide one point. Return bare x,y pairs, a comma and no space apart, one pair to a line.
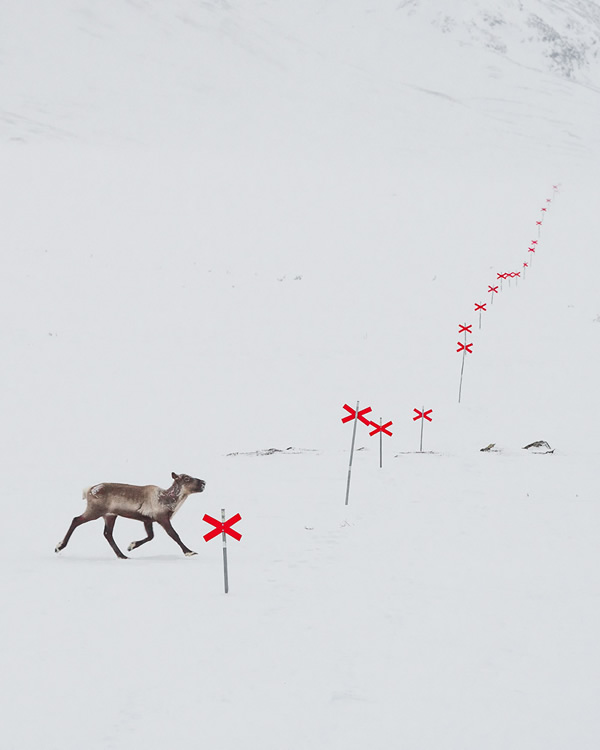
149,537
166,524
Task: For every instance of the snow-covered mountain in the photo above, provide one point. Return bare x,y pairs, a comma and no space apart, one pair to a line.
221,222
560,37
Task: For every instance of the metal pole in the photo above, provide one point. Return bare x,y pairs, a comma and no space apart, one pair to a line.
422,422
225,574
380,443
462,368
351,454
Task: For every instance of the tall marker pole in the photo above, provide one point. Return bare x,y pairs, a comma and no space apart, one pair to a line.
351,453
464,348
380,442
225,570
224,527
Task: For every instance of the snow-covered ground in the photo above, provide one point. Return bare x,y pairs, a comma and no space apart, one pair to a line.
221,222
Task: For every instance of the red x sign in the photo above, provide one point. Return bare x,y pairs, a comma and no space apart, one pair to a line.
466,347
534,242
353,415
423,415
548,200
539,223
465,329
544,209
222,527
513,274
493,289
525,265
517,273
531,249
480,307
502,275
381,428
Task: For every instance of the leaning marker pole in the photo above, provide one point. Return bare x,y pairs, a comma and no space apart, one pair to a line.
354,416
351,453
464,348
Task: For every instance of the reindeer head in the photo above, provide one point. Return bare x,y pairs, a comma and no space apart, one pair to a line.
188,484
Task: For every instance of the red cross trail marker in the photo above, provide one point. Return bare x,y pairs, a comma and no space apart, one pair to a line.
465,328
492,290
466,347
422,415
223,527
381,429
353,414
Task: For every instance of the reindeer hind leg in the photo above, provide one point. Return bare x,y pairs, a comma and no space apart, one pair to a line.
87,515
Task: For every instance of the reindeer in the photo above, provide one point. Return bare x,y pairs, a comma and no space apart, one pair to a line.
147,504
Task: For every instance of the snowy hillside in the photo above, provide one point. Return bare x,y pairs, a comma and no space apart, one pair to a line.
222,221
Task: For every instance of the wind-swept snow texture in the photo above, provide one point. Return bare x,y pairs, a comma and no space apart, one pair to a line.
222,221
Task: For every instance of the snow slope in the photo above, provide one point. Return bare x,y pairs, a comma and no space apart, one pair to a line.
222,221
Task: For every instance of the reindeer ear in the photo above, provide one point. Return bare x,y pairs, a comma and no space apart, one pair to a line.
174,475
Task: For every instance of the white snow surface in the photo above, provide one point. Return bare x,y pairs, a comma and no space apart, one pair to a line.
222,221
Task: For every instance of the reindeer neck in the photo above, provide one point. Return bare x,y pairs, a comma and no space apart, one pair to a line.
175,495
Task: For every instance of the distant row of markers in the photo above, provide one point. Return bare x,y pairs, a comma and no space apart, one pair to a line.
381,429
482,306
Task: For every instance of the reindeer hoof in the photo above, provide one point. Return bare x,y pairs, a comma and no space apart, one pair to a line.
131,546
189,553
58,548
